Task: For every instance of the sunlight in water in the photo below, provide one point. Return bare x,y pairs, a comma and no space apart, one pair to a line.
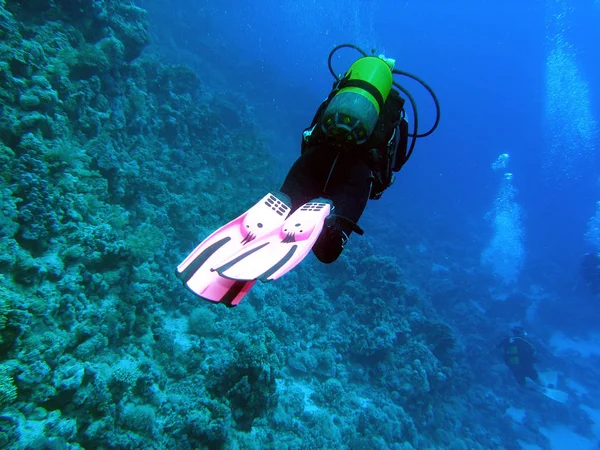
352,20
569,124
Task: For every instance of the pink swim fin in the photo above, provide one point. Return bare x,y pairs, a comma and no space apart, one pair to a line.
197,269
279,251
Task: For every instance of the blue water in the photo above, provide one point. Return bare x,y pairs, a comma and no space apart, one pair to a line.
392,346
487,62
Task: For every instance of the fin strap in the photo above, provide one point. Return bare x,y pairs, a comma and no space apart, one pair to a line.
344,220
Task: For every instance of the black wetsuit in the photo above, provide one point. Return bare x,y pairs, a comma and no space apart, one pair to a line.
348,176
519,356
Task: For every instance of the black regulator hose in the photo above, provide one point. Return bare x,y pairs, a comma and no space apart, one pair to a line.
433,96
338,47
411,99
414,134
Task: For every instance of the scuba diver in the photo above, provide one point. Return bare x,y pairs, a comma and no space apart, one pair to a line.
356,142
519,356
590,270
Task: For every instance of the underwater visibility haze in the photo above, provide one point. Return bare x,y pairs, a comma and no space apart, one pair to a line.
459,310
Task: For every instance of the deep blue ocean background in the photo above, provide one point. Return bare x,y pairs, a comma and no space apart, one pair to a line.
487,64
132,129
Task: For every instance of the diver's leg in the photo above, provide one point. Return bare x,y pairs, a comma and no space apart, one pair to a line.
308,175
519,374
533,375
348,188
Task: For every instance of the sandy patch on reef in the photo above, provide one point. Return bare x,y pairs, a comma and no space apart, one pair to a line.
562,438
585,347
595,416
516,414
576,387
526,446
307,391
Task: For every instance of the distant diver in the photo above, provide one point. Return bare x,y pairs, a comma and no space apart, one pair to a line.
358,139
519,357
590,270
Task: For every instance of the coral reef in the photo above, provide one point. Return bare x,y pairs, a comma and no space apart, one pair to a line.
113,164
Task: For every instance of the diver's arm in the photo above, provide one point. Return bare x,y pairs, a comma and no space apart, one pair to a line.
401,154
502,343
307,133
398,139
525,348
391,154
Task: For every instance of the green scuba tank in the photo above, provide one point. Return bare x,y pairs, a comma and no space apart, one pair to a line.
352,113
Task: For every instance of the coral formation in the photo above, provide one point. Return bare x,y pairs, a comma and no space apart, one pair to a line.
113,163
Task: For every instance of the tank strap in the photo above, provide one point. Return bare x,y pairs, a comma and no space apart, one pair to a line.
333,219
366,87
